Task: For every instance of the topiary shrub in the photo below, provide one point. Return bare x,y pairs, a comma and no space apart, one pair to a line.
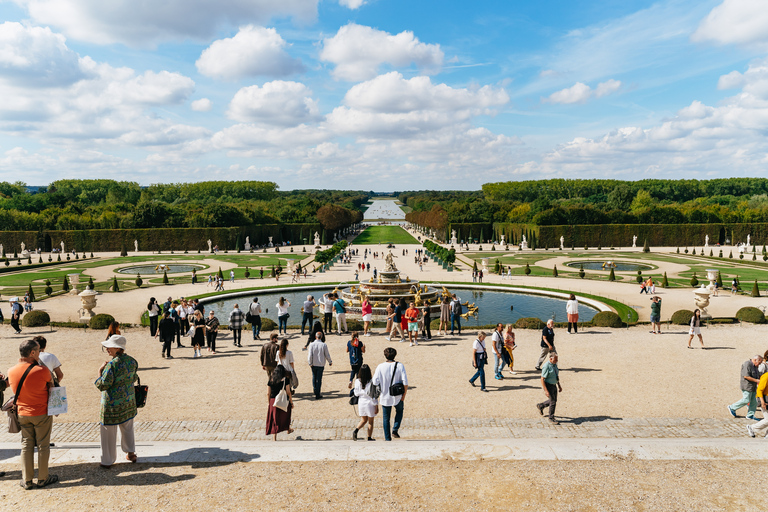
65,284
581,271
529,323
612,276
267,324
607,319
123,251
115,287
554,271
528,271
730,255
36,318
639,277
682,317
101,321
694,280
686,250
678,250
751,315
90,283
48,289
138,281
247,273
755,290
31,293
665,281
165,277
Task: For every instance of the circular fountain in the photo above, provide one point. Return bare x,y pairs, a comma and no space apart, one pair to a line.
390,285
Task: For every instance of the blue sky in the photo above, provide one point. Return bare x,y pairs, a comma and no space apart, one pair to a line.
382,94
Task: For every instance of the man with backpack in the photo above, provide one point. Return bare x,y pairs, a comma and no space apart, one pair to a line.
391,379
456,313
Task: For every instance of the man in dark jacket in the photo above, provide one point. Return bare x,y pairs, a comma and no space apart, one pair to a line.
166,330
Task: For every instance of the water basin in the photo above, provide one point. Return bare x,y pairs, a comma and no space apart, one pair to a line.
172,268
618,266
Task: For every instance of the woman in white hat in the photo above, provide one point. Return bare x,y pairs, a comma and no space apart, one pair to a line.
118,401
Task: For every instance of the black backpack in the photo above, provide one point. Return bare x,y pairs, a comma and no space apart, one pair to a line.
456,307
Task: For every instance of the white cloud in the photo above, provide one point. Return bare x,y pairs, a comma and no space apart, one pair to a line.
581,93
36,57
202,105
352,4
251,52
147,23
358,52
742,22
275,103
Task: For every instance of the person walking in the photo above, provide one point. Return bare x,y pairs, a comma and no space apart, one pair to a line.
445,316
307,315
390,310
367,311
284,358
762,391
211,331
396,317
550,383
572,310
391,378
479,359
198,335
509,346
317,356
355,349
236,325
655,315
254,311
282,315
154,310
456,313
412,316
118,401
317,327
166,331
497,344
268,355
279,420
547,342
16,312
695,328
30,382
367,407
341,314
748,383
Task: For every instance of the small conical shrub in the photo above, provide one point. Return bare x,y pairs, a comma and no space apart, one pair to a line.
755,290
58,257
527,269
221,275
247,273
612,275
138,281
754,257
665,281
639,277
711,253
719,279
48,289
273,273
693,252
90,283
554,271
497,268
165,277
115,286
730,255
581,271
678,250
65,284
123,251
31,293
646,247
41,259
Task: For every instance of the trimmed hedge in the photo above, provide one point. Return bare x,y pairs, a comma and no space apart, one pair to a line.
267,324
447,255
36,319
328,254
607,319
529,323
682,317
101,321
751,315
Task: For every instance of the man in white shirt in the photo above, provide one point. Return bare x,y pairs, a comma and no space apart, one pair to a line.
48,359
255,311
307,313
497,341
327,302
317,356
386,374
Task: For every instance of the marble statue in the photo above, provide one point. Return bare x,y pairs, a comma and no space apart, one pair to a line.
23,245
562,240
248,243
389,263
634,240
62,247
706,241
1,249
503,242
270,242
524,243
210,245
748,237
136,245
317,239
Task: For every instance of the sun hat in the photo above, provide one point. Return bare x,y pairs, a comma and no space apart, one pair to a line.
115,341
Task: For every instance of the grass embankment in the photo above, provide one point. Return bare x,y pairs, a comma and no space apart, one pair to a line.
384,235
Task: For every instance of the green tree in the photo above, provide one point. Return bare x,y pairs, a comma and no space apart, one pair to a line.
65,284
612,275
755,290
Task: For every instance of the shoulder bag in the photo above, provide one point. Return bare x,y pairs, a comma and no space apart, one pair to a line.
395,389
14,427
141,393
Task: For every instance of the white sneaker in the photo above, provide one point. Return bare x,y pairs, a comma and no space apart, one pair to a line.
388,338
411,344
367,334
750,431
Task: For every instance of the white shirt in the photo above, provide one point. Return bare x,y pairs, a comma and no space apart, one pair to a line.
154,311
190,310
282,310
572,307
327,304
318,353
182,311
287,361
479,346
49,360
383,377
362,394
255,308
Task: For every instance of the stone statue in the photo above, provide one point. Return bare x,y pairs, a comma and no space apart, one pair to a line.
503,242
748,237
62,246
136,245
210,245
22,246
317,238
634,241
248,243
562,240
1,249
706,241
270,242
389,263
524,243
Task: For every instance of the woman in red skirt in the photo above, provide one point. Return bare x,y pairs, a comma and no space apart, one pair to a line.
279,420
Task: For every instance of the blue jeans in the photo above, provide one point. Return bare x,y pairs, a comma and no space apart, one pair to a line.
306,318
282,323
748,398
256,326
455,318
499,366
479,373
386,411
317,379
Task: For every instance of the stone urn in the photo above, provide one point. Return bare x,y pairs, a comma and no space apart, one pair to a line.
701,298
485,264
88,300
74,280
712,276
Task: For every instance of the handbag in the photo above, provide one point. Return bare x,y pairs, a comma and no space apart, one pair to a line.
140,392
14,427
294,380
281,400
398,388
374,391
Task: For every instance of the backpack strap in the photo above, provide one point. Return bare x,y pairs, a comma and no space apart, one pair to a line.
392,380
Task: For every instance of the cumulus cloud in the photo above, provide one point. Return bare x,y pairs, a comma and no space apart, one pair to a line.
581,93
144,23
36,57
352,4
359,51
275,103
743,22
202,105
251,52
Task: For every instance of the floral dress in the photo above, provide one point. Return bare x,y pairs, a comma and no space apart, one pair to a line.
118,401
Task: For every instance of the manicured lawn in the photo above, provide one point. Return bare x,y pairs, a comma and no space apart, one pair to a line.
385,235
